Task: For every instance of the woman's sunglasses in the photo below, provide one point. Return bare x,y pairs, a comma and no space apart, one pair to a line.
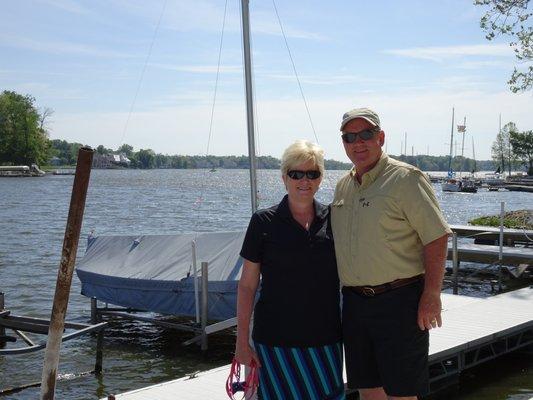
364,135
311,174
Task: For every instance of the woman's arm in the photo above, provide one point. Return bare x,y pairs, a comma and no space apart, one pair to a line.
245,304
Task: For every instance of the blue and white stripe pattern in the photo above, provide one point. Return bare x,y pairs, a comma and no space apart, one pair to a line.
300,373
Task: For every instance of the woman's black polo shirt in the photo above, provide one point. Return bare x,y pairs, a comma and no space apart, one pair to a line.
298,304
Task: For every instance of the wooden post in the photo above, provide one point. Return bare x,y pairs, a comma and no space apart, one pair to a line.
500,255
2,329
99,352
94,310
455,261
64,276
205,281
195,277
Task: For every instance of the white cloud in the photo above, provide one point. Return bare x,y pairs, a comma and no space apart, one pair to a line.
486,63
266,26
59,47
443,53
331,79
207,16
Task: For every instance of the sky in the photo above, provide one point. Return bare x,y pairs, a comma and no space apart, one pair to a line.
144,73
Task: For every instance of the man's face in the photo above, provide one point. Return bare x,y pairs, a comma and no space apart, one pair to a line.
363,153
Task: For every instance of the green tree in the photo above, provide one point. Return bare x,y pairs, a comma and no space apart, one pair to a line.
103,150
512,18
522,144
23,139
125,149
65,151
145,158
502,152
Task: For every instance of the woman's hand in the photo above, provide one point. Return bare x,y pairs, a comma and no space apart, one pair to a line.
244,354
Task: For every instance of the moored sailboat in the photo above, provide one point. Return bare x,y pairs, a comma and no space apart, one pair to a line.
451,184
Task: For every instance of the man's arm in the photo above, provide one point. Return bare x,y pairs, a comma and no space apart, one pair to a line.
429,307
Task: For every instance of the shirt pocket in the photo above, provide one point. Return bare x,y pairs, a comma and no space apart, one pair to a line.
341,219
380,219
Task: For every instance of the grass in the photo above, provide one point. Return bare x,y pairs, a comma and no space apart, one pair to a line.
521,219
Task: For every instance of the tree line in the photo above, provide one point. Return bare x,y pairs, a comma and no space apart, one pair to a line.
24,140
149,159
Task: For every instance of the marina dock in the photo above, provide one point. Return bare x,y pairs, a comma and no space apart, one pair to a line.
492,233
475,330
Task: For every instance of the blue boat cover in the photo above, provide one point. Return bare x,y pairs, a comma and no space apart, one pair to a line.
155,273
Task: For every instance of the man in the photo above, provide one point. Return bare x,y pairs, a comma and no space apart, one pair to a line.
391,242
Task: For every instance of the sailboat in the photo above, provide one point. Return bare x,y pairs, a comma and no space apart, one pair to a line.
451,184
469,184
160,273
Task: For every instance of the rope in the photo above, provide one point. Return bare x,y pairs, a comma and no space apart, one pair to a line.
295,72
216,79
200,200
139,83
328,177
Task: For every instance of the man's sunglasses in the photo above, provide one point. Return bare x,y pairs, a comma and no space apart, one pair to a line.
311,174
351,137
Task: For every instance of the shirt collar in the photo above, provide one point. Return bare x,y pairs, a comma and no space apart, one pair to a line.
370,176
321,210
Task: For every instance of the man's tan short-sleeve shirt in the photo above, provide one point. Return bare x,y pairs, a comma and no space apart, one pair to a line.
381,225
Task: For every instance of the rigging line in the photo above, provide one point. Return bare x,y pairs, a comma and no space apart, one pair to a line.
216,79
142,72
295,72
200,200
328,177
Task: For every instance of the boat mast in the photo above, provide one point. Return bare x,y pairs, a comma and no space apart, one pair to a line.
451,145
474,155
463,128
249,99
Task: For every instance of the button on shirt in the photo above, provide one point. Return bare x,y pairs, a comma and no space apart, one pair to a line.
381,225
299,300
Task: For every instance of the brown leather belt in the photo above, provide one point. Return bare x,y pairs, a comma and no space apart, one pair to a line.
370,291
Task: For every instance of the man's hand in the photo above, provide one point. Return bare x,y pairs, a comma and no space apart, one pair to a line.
429,309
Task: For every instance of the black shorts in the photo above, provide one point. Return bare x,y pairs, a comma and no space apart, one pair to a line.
383,344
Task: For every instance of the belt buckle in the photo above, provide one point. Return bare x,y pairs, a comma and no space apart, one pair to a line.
368,291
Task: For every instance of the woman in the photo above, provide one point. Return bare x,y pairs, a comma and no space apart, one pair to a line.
297,329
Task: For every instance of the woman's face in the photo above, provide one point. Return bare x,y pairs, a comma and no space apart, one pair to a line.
302,189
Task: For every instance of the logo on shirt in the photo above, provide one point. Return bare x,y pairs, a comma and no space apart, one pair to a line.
364,203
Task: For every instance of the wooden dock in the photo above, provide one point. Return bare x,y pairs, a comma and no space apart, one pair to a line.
492,233
475,330
486,254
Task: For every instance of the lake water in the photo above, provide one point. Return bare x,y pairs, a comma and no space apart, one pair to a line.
33,214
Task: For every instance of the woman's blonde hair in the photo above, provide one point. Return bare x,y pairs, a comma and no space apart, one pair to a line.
300,152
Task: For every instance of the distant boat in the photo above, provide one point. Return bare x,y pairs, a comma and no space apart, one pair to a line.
18,171
451,184
213,170
64,172
468,185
